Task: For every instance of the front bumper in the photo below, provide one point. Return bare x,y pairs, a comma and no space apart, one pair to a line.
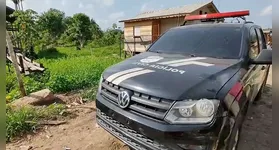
126,135
144,134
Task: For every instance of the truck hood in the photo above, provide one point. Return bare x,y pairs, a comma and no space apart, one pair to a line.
171,76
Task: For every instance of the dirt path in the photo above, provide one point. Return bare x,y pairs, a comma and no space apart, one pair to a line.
81,132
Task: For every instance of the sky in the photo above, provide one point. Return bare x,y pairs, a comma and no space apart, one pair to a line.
107,12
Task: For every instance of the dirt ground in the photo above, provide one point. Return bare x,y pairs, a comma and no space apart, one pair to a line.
81,133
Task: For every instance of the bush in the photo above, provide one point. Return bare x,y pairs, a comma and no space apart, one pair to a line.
75,70
11,80
110,37
32,83
90,93
16,119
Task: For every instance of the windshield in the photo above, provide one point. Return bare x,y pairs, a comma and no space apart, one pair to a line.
208,41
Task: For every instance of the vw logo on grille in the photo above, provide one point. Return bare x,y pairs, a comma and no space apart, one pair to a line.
123,99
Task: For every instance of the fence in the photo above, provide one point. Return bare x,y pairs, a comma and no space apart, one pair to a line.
136,44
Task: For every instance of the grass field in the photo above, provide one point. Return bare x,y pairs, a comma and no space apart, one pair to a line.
67,69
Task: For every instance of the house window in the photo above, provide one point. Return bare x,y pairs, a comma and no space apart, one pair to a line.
137,31
200,12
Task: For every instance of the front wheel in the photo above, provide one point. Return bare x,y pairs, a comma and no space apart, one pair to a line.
233,142
235,134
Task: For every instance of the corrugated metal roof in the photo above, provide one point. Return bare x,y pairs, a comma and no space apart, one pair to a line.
267,30
186,9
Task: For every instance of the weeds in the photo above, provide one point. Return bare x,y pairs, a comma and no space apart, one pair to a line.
90,93
16,118
68,70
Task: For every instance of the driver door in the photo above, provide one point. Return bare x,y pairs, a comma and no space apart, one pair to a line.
255,78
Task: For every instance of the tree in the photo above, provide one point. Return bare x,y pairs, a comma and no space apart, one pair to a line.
65,38
114,26
79,29
14,60
51,25
95,29
27,32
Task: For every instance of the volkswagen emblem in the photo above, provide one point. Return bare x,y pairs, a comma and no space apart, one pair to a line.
151,59
123,99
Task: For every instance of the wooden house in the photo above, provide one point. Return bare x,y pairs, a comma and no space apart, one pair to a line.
146,27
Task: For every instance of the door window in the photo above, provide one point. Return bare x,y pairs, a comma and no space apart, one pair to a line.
262,43
254,44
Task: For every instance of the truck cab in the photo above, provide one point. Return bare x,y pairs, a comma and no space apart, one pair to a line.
190,90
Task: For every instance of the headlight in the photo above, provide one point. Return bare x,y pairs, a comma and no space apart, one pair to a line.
100,84
192,111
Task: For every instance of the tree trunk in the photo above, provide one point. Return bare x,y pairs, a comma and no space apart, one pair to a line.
21,5
13,57
16,7
81,43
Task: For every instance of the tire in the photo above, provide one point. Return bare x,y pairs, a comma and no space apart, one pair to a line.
235,134
259,95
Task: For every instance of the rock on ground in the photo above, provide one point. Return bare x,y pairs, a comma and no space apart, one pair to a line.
42,97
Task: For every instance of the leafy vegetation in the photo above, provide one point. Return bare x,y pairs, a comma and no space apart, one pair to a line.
52,28
22,120
27,32
73,49
70,70
67,70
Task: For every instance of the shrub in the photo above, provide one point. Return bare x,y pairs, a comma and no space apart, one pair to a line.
16,119
11,80
75,70
90,93
77,73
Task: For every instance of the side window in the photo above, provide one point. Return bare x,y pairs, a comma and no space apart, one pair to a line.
254,45
262,43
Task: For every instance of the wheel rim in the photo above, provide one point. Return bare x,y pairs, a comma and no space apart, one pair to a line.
236,138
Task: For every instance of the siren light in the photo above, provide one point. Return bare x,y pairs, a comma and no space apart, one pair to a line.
218,15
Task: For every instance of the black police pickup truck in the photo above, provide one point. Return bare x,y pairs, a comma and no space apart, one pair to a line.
190,90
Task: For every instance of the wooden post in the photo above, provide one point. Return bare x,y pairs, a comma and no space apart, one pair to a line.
120,45
15,64
21,63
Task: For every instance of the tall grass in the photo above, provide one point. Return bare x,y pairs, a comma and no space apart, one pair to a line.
66,69
17,119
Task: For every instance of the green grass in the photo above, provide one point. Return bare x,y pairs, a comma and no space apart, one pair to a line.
16,118
67,69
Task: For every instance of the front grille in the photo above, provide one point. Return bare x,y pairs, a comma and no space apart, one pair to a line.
145,105
127,135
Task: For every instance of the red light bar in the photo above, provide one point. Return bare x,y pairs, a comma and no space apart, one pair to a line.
218,15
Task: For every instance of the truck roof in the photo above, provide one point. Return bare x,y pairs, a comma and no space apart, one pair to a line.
240,25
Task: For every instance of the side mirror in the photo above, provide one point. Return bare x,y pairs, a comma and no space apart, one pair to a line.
264,58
